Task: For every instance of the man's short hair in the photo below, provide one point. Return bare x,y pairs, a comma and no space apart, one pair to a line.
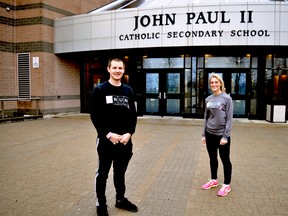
117,60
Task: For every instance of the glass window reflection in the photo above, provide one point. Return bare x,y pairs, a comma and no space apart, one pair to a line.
173,83
163,63
227,62
238,83
152,83
152,105
173,105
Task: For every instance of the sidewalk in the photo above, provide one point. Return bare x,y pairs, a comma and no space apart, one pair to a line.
47,167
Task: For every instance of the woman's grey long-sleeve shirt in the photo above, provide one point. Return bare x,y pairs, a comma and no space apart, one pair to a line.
218,115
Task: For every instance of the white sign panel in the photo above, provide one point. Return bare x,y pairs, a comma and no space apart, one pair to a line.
246,24
35,62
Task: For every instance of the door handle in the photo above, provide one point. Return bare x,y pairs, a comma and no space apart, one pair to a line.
159,96
165,95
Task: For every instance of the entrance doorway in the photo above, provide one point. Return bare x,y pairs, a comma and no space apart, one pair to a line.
163,92
236,84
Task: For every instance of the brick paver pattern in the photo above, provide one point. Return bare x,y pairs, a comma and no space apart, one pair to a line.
47,167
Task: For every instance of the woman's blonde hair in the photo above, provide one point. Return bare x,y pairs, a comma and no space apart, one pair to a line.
219,78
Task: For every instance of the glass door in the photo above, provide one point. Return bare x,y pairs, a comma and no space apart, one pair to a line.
153,93
238,92
163,92
236,84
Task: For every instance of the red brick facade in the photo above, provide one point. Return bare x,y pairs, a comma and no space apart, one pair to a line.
26,26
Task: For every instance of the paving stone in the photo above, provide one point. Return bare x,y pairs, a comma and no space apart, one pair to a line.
47,167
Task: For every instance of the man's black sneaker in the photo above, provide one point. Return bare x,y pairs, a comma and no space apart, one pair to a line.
102,210
126,205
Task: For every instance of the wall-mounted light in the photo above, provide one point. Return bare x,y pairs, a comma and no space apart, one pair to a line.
7,9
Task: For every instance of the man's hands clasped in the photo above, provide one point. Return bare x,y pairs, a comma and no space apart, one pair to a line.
116,138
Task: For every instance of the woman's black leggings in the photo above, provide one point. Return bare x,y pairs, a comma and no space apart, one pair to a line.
213,144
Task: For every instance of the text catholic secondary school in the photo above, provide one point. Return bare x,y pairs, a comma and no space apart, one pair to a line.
189,34
171,50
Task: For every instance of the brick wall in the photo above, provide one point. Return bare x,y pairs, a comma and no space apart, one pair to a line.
27,27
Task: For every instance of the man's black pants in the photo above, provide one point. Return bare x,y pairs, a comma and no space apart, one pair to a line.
120,156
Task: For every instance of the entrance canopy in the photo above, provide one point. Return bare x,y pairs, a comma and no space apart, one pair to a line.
174,23
125,4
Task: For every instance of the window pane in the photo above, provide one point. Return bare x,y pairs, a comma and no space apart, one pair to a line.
200,62
163,63
280,62
188,62
188,82
227,62
152,105
200,91
176,62
268,83
253,101
239,107
152,83
254,62
173,105
194,76
173,83
269,61
238,83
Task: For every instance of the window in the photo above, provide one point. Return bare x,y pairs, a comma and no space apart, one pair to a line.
163,63
227,62
276,78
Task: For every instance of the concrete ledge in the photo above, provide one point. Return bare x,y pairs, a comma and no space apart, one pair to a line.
20,118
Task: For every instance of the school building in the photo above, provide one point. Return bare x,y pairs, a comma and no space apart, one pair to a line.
54,53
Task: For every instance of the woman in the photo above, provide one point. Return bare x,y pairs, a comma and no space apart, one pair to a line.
216,133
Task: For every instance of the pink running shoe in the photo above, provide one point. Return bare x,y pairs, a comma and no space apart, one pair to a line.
210,184
224,190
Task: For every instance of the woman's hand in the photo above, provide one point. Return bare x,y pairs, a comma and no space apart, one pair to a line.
223,141
203,140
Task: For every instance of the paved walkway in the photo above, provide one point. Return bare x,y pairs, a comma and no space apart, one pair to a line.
47,168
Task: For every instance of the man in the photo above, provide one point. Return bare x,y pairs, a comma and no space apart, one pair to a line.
114,116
